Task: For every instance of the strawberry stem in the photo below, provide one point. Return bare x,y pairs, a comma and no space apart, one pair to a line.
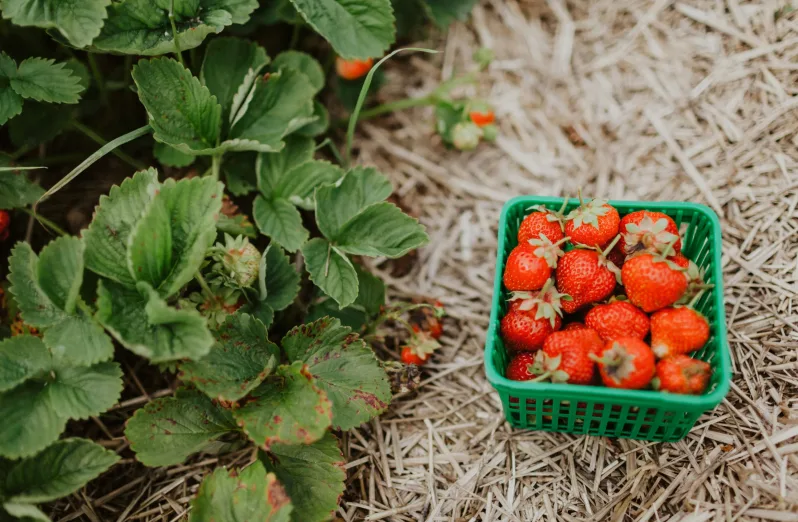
612,244
667,251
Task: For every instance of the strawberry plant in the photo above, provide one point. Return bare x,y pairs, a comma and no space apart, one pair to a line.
263,325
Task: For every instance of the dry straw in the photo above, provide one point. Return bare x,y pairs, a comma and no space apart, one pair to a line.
629,100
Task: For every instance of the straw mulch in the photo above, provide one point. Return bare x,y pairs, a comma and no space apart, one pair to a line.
635,99
692,101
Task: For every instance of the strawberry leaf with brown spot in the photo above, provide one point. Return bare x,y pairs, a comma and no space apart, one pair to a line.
313,476
344,367
251,494
167,430
287,408
238,362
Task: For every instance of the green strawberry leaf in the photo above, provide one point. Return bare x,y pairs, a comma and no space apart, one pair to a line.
299,184
143,323
78,331
371,292
318,127
238,225
288,408
303,63
35,305
313,475
337,204
273,168
16,190
30,423
115,217
445,12
281,221
58,471
251,494
44,80
183,113
24,512
79,22
278,279
238,362
40,122
171,157
82,392
168,430
381,230
279,105
327,307
344,367
46,289
10,101
143,27
239,171
331,271
260,311
168,244
355,28
60,271
353,216
21,358
230,65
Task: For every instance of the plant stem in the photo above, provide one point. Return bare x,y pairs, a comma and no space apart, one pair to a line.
99,140
204,284
353,118
98,79
174,34
21,152
46,223
295,33
216,165
108,147
397,105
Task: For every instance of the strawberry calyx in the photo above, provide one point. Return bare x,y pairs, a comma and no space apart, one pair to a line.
553,216
588,213
548,251
547,369
695,285
649,235
547,302
604,259
422,344
617,362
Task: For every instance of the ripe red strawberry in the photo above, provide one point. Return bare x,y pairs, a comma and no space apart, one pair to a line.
545,222
482,118
626,363
409,356
531,319
651,231
529,265
678,330
353,69
419,349
520,367
586,276
566,356
593,224
651,282
617,319
5,221
574,326
682,374
680,261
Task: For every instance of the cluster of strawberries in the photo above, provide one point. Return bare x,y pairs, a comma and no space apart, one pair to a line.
617,273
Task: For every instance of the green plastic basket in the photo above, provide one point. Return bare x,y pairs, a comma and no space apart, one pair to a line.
596,410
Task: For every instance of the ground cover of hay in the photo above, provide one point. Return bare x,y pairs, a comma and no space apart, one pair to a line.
694,100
